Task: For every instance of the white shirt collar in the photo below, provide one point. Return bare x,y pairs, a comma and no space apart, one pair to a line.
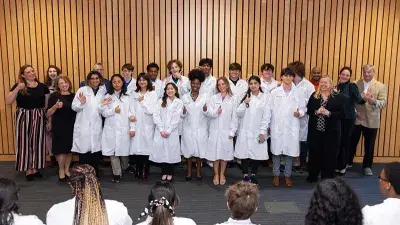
232,221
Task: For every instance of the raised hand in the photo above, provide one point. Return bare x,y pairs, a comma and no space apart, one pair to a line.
117,109
247,100
296,113
82,98
21,85
261,138
132,118
184,110
106,101
205,107
59,104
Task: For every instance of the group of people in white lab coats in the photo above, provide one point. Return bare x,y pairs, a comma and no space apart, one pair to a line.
197,116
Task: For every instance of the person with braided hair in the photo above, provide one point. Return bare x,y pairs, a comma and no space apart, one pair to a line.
160,210
88,206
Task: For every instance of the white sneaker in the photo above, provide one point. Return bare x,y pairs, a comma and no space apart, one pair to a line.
349,166
368,171
342,171
210,164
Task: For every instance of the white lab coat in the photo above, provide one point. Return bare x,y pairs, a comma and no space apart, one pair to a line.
284,126
142,142
195,127
63,213
254,121
307,88
183,85
177,221
167,150
88,123
131,86
386,213
237,222
239,90
26,220
115,139
158,88
267,87
219,146
209,86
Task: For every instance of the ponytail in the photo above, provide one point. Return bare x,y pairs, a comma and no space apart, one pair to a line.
161,216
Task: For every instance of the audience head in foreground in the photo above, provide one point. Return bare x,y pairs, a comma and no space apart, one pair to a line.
388,212
162,203
334,203
242,201
9,214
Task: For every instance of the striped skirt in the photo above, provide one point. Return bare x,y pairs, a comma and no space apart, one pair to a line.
30,127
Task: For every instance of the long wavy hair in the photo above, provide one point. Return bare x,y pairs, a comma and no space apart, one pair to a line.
48,80
317,94
22,79
8,201
90,207
228,87
149,86
334,203
165,96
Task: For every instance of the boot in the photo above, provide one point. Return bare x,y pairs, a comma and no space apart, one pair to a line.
145,171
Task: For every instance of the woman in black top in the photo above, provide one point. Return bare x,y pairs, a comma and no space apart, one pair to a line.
325,109
351,96
62,124
30,122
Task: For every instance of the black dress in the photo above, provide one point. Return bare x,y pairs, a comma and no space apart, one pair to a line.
324,135
63,121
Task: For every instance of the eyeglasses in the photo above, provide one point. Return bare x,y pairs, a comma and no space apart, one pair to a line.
380,178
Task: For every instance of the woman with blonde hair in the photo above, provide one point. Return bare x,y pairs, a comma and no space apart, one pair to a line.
30,95
223,125
62,119
88,206
325,108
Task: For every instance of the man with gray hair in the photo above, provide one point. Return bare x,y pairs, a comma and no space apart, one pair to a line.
368,116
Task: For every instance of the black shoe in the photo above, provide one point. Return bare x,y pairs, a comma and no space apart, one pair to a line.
116,178
30,177
188,178
253,179
38,175
63,180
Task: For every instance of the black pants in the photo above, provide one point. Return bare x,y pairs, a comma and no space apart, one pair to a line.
303,152
254,166
167,169
369,144
322,156
343,155
92,159
269,148
139,160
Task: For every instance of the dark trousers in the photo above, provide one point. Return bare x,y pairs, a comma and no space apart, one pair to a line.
369,144
322,156
139,160
92,159
269,148
167,169
303,152
344,150
254,166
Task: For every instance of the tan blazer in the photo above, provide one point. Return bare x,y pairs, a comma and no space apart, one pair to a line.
372,113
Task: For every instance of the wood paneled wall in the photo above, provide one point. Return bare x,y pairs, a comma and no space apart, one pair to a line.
74,34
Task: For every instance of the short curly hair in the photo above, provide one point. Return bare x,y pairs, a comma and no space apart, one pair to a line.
196,74
334,203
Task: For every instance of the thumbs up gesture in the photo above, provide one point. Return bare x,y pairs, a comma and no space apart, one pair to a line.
184,110
205,107
296,113
219,110
117,109
21,85
59,104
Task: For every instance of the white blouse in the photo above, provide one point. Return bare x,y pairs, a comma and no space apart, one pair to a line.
386,213
177,221
63,213
26,220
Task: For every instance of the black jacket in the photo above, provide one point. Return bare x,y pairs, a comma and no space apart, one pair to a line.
351,95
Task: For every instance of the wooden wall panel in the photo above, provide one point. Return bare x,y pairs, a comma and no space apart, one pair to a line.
75,34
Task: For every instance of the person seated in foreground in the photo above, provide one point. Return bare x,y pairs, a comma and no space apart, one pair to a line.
388,212
242,201
9,214
334,203
160,210
88,206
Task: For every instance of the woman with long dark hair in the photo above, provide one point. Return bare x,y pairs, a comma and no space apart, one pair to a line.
30,125
88,205
9,214
62,119
334,203
115,139
254,115
195,124
162,203
351,96
166,147
144,100
88,124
